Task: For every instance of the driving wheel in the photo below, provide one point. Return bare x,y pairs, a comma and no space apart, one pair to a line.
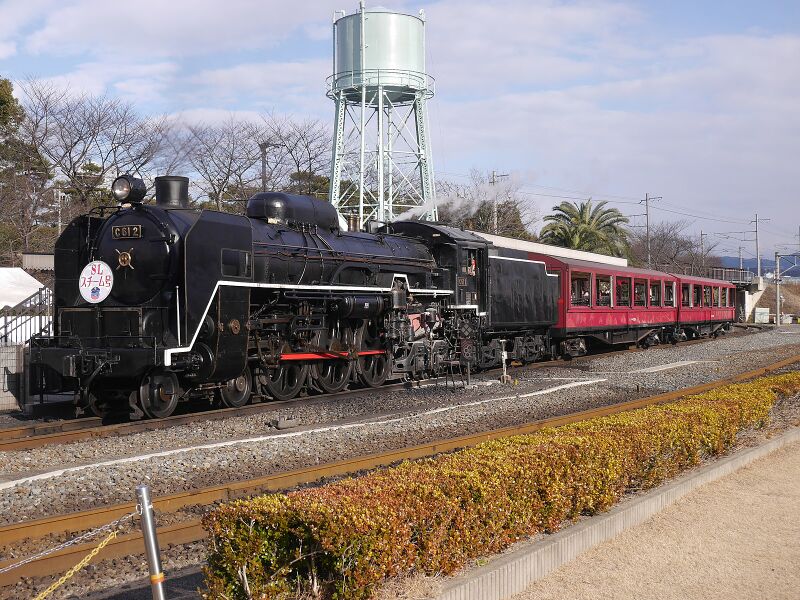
284,381
333,375
373,369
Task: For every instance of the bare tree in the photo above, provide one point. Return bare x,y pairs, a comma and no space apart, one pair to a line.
471,206
227,158
670,248
302,153
71,132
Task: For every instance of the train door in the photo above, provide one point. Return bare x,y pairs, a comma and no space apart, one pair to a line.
470,277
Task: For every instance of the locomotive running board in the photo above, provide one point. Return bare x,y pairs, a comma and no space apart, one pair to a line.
170,352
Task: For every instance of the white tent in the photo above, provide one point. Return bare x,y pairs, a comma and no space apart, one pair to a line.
16,285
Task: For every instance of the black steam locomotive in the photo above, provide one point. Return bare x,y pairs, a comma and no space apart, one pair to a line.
156,304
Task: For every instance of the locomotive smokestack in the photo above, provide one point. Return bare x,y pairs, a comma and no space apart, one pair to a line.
172,191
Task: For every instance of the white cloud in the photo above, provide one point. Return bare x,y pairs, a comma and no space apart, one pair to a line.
484,47
291,86
171,29
137,83
7,49
720,132
15,15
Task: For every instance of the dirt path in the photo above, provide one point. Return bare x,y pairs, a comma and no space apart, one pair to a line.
735,538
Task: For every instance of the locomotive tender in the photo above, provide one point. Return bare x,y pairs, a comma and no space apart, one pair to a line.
160,303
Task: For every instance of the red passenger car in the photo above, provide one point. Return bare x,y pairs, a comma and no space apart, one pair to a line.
609,304
706,306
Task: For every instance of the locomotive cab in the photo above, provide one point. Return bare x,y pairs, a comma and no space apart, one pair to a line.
461,256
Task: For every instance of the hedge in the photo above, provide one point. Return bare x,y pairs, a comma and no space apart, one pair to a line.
433,515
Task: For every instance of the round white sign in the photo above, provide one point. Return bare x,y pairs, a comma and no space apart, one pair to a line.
96,281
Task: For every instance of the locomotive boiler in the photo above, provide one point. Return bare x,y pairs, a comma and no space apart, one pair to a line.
161,303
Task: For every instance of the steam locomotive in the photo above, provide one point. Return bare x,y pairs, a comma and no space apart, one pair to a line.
163,303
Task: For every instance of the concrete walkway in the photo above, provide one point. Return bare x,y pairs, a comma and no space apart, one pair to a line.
738,537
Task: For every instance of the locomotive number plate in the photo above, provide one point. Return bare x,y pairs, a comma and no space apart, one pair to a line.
126,232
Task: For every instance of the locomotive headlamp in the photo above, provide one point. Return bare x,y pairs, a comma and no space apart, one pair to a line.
128,189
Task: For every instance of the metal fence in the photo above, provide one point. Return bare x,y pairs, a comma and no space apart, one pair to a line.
18,324
741,276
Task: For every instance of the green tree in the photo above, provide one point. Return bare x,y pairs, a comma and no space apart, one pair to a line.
10,109
586,226
24,178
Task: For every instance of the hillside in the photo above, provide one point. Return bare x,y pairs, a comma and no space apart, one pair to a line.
767,265
791,298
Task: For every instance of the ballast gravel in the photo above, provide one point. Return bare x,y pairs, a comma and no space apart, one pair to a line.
128,575
417,416
349,428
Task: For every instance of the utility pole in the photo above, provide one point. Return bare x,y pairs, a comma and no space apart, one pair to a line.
758,250
741,264
777,289
647,199
493,182
263,147
703,250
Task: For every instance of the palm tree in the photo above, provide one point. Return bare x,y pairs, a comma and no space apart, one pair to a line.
586,227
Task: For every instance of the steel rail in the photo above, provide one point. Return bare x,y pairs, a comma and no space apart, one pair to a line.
84,429
192,531
27,437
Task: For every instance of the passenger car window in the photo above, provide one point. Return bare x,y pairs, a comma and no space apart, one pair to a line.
623,291
603,283
640,292
685,294
697,296
581,289
655,293
669,294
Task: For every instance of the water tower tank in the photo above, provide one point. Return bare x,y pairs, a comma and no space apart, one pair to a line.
381,167
376,48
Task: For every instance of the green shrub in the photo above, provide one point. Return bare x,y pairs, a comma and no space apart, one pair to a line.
435,514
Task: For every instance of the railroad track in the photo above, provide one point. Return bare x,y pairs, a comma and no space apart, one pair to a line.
190,529
26,437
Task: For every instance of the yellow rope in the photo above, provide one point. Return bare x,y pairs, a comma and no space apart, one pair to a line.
77,567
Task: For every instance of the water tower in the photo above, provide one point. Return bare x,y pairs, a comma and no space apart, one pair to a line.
381,148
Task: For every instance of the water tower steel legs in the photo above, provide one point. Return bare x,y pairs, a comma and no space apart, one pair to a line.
382,215
338,151
425,164
392,169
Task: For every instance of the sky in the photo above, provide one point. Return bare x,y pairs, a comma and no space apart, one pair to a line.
696,102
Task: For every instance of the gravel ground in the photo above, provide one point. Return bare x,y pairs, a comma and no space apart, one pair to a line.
345,428
464,411
110,575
